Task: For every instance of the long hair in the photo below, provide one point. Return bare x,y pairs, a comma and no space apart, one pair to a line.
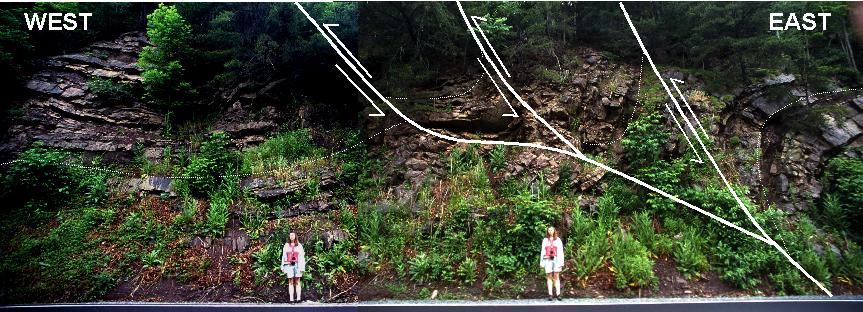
296,240
552,237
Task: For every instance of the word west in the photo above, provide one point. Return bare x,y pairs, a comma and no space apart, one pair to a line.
809,22
56,21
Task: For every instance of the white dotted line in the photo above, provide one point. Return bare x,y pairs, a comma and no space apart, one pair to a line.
447,96
10,162
761,130
807,101
241,175
778,230
631,115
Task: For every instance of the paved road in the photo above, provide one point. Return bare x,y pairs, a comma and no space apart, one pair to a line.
786,304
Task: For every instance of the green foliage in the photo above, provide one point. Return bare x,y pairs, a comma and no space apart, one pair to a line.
460,160
162,64
358,169
843,178
631,262
590,255
467,271
266,261
740,268
497,158
217,214
495,28
642,230
43,179
425,268
607,210
213,161
689,253
643,145
532,219
279,151
110,92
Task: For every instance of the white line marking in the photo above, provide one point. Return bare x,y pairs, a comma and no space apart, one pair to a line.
761,130
509,87
575,154
379,113
327,26
514,114
766,238
674,83
482,33
673,117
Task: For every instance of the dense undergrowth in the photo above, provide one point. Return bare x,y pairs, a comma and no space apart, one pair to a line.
74,234
465,230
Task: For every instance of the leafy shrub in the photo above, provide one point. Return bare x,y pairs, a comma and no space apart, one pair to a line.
740,266
460,160
631,262
833,212
642,229
689,253
110,92
217,215
843,177
590,256
43,179
339,259
532,219
624,195
266,261
501,265
643,145
425,268
608,211
280,151
849,266
163,74
581,227
467,271
497,158
211,163
187,215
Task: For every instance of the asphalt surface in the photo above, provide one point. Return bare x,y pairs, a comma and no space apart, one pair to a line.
783,304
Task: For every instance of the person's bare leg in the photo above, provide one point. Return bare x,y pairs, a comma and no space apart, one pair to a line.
550,283
299,284
557,282
291,290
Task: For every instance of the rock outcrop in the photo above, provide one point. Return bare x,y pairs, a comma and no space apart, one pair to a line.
788,163
63,113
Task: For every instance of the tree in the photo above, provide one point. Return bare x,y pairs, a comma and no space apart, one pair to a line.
163,77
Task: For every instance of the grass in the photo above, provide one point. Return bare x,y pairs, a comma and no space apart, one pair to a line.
281,151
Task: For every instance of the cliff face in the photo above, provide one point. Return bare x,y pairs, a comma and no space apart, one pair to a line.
63,113
788,163
592,103
593,107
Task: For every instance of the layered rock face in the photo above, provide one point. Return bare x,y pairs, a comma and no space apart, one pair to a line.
593,106
62,113
789,163
590,104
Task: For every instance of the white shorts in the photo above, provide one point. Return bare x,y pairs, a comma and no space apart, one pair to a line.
292,270
550,267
